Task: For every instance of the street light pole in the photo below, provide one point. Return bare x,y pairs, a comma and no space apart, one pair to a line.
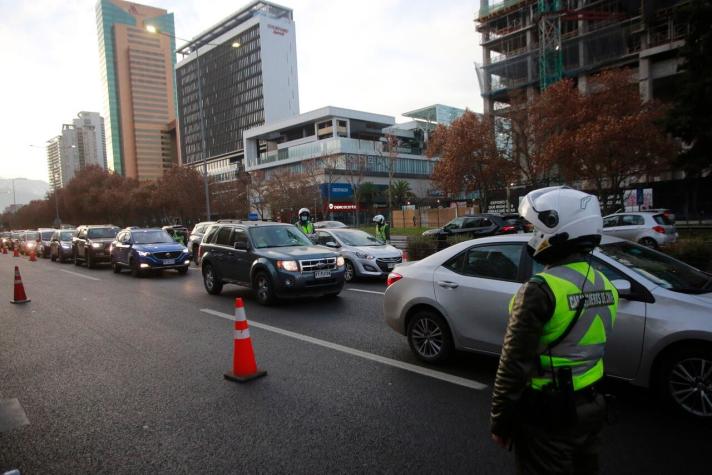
201,112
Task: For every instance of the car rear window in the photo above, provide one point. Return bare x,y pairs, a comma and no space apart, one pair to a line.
47,235
663,219
99,233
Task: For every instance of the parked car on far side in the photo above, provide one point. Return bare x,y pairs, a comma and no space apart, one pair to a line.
329,224
649,228
474,225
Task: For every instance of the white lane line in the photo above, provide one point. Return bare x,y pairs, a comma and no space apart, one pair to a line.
468,383
79,275
366,291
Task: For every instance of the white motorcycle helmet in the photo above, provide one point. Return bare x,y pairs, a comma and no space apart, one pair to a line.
304,215
565,221
379,219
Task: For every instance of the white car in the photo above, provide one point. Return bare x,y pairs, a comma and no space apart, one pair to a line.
365,255
649,228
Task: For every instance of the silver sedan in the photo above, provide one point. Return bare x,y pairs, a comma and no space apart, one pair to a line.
457,299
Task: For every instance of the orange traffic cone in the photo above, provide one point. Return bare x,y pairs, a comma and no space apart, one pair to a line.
33,256
405,256
15,252
20,296
244,367
4,250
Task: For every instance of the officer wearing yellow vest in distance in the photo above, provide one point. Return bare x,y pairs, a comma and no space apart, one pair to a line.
304,224
545,401
383,230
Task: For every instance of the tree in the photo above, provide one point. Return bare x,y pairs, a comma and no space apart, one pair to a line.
355,170
608,137
229,199
400,192
469,157
390,149
177,187
259,189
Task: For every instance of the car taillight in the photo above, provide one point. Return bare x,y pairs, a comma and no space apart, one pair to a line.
507,229
659,229
393,277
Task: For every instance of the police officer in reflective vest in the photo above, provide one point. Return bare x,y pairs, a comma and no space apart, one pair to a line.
545,401
304,224
383,230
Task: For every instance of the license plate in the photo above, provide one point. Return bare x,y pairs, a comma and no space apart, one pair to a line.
322,274
168,262
391,266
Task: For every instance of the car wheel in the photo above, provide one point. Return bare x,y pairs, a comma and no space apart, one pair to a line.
649,242
211,281
135,269
183,270
350,272
264,289
429,337
115,267
686,381
90,261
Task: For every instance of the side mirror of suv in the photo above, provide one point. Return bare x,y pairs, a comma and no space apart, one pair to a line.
332,244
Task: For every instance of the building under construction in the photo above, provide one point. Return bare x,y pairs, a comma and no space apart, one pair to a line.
529,44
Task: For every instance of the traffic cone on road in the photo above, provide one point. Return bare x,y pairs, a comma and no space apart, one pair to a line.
15,252
20,296
33,256
244,367
405,256
4,250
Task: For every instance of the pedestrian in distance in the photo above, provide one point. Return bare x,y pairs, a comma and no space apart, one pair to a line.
545,401
383,230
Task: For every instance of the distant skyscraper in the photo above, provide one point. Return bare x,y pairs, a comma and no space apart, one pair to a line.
139,88
80,145
247,68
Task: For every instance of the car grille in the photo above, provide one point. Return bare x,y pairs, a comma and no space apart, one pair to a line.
167,255
327,263
384,261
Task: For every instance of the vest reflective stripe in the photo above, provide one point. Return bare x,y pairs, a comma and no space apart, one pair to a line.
306,228
583,348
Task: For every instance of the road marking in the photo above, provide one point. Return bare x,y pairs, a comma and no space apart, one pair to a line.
468,383
79,275
366,291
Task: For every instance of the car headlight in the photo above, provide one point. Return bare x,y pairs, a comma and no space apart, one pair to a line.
66,244
185,250
96,245
143,253
363,255
340,261
290,266
31,244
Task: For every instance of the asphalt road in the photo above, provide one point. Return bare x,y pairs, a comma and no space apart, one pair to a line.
124,375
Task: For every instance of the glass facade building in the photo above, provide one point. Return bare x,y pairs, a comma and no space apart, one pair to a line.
138,86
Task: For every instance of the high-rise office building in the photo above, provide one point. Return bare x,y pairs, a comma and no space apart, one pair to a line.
245,69
80,145
139,86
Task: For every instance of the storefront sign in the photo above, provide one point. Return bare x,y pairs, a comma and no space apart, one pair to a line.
342,207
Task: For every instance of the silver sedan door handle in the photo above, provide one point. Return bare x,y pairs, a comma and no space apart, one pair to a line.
447,284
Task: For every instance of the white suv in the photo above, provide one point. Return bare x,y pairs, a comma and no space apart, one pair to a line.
649,228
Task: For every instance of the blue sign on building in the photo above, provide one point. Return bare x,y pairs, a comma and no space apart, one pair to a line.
338,190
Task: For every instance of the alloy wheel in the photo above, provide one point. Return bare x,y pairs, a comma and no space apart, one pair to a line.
263,289
349,272
690,385
209,278
427,337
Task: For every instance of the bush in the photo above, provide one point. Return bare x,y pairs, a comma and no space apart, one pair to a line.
696,252
420,247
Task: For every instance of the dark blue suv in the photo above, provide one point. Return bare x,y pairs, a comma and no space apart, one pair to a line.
148,249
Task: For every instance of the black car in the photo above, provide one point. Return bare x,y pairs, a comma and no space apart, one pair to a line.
475,226
196,236
60,246
275,259
91,244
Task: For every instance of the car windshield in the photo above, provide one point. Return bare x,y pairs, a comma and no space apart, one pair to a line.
455,223
278,236
357,238
32,236
47,235
66,235
659,268
99,233
151,237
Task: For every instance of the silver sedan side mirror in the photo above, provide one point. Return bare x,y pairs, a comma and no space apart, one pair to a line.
623,287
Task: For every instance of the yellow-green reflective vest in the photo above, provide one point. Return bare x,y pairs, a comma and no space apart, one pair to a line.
583,348
307,228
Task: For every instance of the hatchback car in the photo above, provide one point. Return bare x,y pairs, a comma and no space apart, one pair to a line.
458,299
474,225
652,229
148,249
276,260
60,246
364,254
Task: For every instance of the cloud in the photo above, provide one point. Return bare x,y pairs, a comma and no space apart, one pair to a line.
383,56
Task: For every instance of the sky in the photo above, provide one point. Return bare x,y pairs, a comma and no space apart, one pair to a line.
381,56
